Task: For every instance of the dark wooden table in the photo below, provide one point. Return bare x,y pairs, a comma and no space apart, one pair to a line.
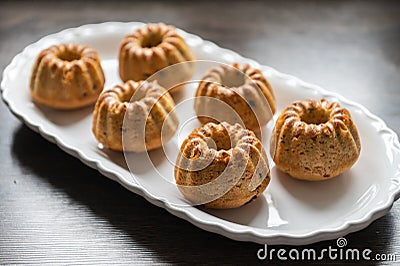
54,209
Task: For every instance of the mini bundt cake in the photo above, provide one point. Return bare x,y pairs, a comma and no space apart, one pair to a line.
315,140
134,116
221,166
243,88
151,49
67,76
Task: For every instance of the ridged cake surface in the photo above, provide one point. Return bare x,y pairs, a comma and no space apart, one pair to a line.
134,116
315,140
152,48
235,93
221,166
67,76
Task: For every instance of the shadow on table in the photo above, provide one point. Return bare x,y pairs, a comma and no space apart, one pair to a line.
170,239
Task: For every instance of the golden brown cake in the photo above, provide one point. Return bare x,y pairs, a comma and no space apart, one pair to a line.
151,49
315,140
141,111
244,89
221,166
67,76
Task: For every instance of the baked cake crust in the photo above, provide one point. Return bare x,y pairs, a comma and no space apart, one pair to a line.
67,76
142,111
152,48
243,88
315,140
221,166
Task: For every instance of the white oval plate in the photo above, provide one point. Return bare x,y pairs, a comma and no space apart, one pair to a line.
290,211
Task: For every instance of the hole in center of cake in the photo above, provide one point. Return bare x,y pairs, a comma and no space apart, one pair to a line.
233,78
140,92
315,116
219,142
151,41
222,144
69,56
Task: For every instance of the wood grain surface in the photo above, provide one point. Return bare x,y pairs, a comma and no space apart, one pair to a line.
54,209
